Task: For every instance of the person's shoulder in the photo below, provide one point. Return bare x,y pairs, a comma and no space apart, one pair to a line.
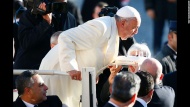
159,55
170,77
52,101
18,103
70,15
171,74
168,89
138,104
50,97
108,105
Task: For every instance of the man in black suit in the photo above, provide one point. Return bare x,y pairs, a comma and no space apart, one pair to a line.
124,90
163,96
146,89
167,56
32,91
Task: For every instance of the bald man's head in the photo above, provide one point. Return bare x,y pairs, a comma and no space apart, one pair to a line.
154,67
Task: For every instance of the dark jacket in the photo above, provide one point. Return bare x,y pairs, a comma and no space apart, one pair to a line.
138,104
108,105
126,44
163,96
52,101
34,37
167,58
170,79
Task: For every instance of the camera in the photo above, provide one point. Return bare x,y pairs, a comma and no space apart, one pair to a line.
51,6
108,11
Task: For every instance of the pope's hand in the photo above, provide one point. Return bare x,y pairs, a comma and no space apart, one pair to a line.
75,75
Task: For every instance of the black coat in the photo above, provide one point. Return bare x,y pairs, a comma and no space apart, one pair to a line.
163,96
52,101
167,57
138,104
108,105
34,37
170,79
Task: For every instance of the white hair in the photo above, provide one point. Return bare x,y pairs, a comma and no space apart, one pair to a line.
142,48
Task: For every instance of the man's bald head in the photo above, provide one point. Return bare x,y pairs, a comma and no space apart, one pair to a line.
154,67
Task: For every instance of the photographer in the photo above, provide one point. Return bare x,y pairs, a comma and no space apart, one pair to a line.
36,25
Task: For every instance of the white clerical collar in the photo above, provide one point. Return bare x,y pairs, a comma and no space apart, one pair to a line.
142,102
28,104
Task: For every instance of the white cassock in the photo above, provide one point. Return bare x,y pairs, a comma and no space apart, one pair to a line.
92,44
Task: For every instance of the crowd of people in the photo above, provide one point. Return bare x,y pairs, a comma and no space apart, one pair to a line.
51,38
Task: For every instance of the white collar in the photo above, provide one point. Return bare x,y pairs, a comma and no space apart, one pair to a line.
28,104
142,102
113,104
171,48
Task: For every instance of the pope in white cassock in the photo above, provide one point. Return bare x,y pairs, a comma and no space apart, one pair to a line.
92,44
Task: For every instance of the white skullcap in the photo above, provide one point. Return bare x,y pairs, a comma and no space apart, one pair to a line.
128,11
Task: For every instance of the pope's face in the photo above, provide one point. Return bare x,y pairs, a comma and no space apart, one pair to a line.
130,28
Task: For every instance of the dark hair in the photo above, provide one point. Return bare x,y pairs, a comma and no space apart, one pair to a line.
24,80
125,85
108,11
147,83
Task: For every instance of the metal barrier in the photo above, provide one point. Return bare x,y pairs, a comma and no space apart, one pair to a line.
42,72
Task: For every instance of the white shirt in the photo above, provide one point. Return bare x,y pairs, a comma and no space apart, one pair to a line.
113,104
142,102
28,104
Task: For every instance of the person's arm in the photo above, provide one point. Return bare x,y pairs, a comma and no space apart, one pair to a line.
32,29
105,92
149,7
104,95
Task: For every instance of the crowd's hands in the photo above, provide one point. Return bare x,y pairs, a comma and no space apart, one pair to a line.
97,80
113,72
133,68
75,75
47,17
